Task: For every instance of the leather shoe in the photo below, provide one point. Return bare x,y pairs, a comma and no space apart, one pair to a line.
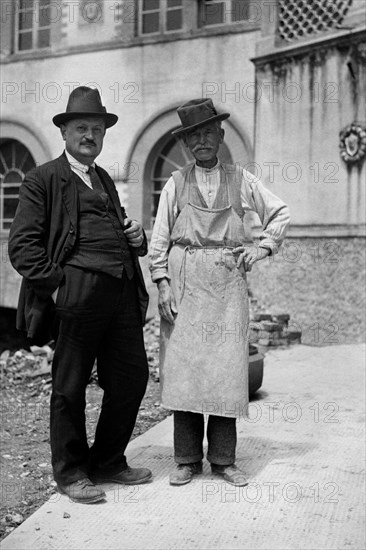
83,491
128,476
232,474
184,473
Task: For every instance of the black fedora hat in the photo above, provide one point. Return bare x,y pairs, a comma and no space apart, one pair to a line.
197,113
85,102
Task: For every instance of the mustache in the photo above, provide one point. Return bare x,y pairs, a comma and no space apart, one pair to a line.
88,142
199,148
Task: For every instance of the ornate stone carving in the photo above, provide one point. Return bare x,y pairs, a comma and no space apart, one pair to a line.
361,51
353,142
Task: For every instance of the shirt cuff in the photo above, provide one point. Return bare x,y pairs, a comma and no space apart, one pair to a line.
161,274
269,245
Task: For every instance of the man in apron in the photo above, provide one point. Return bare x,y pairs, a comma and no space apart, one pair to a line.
199,262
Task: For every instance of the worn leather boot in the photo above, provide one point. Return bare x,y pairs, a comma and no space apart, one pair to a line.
82,491
127,476
184,473
231,474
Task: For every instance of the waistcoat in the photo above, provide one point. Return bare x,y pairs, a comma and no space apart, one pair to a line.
101,244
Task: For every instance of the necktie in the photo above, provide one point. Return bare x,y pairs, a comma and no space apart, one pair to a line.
95,180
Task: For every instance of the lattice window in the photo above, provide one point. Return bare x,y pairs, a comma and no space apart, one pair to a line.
301,18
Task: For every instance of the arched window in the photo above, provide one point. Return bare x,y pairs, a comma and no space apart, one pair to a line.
169,154
15,161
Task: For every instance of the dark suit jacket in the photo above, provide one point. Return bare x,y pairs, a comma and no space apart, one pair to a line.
43,234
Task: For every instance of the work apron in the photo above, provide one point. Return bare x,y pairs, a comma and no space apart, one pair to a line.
204,356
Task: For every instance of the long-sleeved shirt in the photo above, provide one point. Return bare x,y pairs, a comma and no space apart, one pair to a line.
255,197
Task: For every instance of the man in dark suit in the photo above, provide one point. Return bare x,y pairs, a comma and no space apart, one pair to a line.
78,255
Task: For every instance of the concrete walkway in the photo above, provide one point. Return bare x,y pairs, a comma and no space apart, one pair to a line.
302,447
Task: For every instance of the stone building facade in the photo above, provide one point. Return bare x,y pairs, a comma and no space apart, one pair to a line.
310,142
292,75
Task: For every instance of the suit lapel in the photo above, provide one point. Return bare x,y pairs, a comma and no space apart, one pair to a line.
68,189
70,194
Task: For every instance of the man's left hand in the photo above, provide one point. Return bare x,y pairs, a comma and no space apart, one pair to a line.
248,255
134,232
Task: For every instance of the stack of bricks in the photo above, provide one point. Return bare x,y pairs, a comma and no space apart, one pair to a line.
272,330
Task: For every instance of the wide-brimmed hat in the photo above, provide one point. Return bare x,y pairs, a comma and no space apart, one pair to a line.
197,113
85,102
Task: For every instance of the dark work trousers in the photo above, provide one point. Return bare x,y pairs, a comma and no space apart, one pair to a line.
188,438
99,318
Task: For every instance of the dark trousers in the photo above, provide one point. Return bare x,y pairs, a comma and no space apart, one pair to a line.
98,318
189,433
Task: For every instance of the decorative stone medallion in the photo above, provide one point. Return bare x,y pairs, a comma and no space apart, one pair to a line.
353,142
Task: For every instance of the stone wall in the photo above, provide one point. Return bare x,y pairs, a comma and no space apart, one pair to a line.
320,283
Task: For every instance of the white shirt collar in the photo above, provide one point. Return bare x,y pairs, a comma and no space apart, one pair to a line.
76,164
208,170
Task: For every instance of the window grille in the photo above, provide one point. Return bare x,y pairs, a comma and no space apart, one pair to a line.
15,161
172,156
302,18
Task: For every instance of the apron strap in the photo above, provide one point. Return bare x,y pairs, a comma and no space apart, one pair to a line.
182,273
234,176
181,179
